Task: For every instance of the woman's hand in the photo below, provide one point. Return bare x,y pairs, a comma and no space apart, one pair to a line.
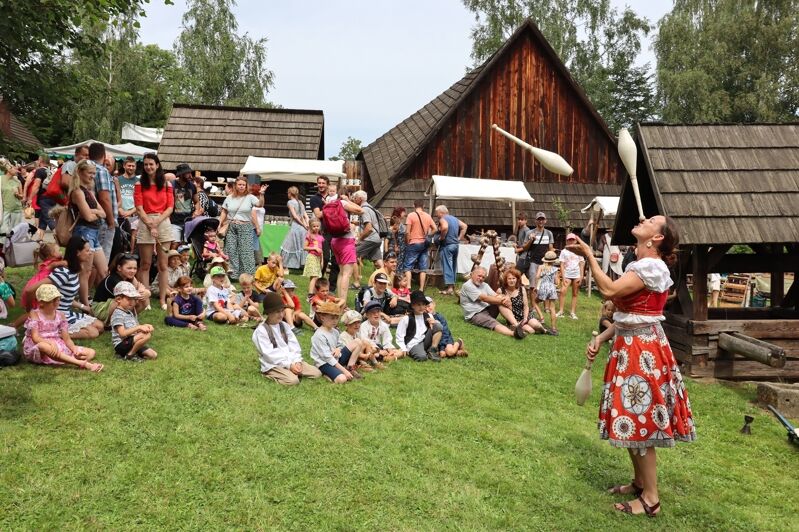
580,248
263,188
592,349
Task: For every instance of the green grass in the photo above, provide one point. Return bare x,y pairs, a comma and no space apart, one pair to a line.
198,439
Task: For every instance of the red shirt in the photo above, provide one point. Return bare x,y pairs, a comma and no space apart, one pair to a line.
153,200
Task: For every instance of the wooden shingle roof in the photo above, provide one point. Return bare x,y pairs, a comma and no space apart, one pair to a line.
219,139
12,128
724,184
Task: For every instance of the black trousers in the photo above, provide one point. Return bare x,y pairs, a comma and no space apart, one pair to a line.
329,259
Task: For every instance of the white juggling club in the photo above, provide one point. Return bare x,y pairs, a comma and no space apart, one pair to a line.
583,387
549,160
629,157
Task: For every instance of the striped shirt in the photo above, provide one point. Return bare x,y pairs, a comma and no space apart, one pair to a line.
68,284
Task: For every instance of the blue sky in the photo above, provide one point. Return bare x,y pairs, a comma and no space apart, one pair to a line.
366,64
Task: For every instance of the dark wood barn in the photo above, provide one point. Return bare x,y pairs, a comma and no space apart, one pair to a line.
217,140
724,185
525,89
14,131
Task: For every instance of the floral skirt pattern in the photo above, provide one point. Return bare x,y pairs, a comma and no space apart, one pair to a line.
644,401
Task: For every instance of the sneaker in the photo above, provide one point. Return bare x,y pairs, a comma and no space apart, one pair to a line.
573,316
519,333
552,332
433,355
559,315
355,375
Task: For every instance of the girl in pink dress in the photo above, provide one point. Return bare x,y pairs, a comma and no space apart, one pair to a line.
47,338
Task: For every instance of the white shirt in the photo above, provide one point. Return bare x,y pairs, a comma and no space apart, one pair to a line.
657,278
379,335
281,355
402,328
572,267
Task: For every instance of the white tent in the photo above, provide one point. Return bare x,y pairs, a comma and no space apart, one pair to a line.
118,151
608,205
142,134
470,188
294,170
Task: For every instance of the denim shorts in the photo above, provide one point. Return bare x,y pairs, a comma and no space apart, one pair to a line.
89,234
416,253
331,371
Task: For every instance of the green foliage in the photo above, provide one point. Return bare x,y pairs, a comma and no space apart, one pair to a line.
350,149
220,66
597,43
729,61
563,213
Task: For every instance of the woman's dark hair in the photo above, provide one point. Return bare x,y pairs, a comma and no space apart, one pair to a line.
671,238
74,246
396,214
160,180
120,260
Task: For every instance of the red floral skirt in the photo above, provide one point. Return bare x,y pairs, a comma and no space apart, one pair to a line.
644,400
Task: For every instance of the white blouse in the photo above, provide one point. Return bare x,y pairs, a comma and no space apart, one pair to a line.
657,278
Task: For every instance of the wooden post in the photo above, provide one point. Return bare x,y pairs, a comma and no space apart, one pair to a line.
512,217
700,260
753,349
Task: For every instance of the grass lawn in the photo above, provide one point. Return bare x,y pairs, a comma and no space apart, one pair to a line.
198,439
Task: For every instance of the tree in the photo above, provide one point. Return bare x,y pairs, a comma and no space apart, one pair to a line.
598,44
220,66
729,61
350,149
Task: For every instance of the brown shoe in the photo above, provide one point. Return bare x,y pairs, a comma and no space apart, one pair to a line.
364,367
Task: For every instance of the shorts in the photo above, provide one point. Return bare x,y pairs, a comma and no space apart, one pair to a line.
416,253
344,250
43,213
100,310
531,271
123,348
177,231
369,250
165,232
133,220
714,286
236,312
89,234
331,371
486,318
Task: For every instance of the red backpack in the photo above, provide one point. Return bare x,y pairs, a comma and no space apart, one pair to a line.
54,191
335,218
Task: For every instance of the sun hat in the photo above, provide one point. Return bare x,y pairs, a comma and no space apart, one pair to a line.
288,284
173,253
550,256
217,260
183,168
273,302
328,307
350,317
124,288
428,299
381,278
372,305
571,236
184,247
46,293
217,270
540,214
417,296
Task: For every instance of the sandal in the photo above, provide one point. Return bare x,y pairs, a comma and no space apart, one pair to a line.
617,489
650,511
94,368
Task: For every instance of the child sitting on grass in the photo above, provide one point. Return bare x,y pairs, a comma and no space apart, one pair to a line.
418,334
220,262
128,336
186,309
123,268
219,306
269,276
248,299
606,315
401,290
293,314
323,295
46,258
352,326
47,338
447,346
6,294
377,333
279,352
336,363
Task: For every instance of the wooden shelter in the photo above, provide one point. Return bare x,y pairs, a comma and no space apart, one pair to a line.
724,185
15,131
525,89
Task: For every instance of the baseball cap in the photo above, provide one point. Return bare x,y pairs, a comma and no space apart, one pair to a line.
381,278
288,284
351,316
540,215
217,270
124,288
372,305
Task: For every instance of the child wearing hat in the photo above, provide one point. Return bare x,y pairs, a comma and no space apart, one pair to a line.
336,363
323,295
218,262
572,268
391,307
47,338
351,320
279,352
293,314
128,336
377,332
418,334
218,304
547,291
447,346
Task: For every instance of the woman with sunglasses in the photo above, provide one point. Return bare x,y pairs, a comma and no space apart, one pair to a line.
154,202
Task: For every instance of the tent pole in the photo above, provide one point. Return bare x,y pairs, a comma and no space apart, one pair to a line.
512,216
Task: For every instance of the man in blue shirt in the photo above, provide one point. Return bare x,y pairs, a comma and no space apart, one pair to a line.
451,231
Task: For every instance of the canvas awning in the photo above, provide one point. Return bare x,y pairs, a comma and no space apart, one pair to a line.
608,205
469,188
293,170
141,133
117,151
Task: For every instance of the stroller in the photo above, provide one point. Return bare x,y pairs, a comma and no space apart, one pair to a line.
18,247
195,233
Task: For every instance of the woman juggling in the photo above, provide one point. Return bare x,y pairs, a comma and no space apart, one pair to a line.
644,402
238,221
154,202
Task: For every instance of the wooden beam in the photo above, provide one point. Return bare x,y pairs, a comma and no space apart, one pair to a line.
757,263
753,349
777,281
699,269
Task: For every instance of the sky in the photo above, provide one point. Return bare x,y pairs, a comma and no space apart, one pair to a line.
368,64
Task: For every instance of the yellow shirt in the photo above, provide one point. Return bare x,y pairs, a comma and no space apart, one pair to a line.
265,277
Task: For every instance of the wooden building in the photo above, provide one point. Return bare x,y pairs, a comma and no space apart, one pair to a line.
525,89
216,140
14,132
724,185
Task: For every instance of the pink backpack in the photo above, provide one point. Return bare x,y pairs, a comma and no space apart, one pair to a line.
335,218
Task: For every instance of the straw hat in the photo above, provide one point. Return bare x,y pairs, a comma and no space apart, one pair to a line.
46,293
328,307
550,256
124,288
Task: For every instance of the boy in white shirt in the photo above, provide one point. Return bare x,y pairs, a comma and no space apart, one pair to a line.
278,349
418,334
377,332
572,267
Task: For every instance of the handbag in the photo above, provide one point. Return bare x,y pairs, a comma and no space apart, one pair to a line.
64,224
428,239
29,213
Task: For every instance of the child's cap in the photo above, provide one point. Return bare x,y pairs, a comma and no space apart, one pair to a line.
288,284
417,296
381,278
184,248
428,299
172,253
550,256
571,236
372,305
328,307
124,288
273,302
350,317
217,270
217,260
47,292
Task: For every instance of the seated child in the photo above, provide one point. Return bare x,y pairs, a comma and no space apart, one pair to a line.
392,308
174,271
448,346
220,262
218,304
377,333
293,314
606,316
128,336
336,363
278,349
352,326
418,334
323,294
186,309
123,268
211,247
248,299
401,290
47,338
269,276
46,258
6,294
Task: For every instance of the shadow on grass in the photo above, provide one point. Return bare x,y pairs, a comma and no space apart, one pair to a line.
16,400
